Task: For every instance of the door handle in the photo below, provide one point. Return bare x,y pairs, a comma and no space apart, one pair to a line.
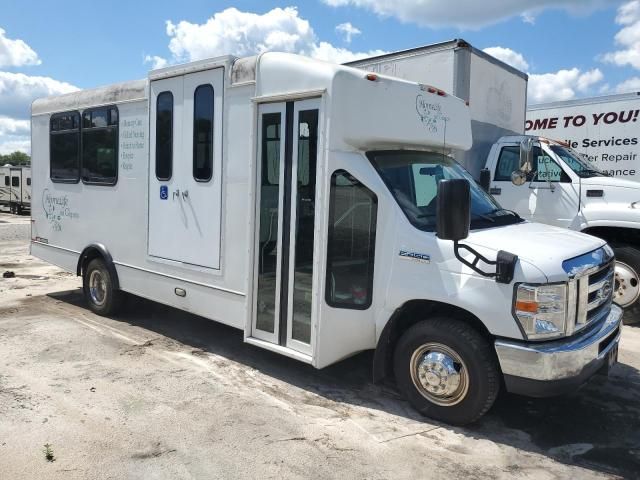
495,191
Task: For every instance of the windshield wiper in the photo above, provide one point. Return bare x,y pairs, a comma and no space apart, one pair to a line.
497,210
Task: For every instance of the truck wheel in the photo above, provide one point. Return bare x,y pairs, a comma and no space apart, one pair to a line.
627,283
447,370
99,292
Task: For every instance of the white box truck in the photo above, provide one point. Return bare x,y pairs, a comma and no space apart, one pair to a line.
604,130
15,188
582,175
377,239
496,92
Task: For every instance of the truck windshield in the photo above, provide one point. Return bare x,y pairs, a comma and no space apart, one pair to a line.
413,176
575,162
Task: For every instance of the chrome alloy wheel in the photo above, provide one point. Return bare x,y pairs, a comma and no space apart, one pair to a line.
627,285
439,374
97,287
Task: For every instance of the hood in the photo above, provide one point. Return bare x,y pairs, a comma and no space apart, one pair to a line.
610,182
544,246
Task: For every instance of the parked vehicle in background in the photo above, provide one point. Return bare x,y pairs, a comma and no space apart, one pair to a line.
382,241
15,188
496,92
604,130
551,183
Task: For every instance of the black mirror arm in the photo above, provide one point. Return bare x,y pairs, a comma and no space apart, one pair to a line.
505,263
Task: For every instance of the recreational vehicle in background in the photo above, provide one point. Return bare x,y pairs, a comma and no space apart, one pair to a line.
15,188
317,208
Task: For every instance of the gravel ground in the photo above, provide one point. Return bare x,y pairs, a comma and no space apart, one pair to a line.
157,393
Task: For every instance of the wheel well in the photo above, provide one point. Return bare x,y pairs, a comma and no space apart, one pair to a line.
97,251
406,316
615,235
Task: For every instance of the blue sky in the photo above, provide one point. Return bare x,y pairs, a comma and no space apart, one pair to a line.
571,48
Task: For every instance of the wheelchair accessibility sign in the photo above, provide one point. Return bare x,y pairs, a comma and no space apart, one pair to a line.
164,192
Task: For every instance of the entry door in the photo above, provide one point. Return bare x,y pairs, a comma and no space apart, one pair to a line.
284,286
16,185
185,168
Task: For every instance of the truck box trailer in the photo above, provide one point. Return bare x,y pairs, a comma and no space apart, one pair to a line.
15,188
602,129
495,91
376,238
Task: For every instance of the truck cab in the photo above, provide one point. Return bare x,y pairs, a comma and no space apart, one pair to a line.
545,181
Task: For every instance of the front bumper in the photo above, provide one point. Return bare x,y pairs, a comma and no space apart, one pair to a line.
556,367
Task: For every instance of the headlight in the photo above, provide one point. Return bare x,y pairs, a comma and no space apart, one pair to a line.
541,310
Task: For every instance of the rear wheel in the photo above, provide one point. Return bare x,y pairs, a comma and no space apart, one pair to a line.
627,283
447,370
99,291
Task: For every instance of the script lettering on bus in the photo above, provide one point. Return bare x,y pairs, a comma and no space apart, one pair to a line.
430,113
57,209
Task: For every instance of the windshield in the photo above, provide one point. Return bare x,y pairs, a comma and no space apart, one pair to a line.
412,178
575,162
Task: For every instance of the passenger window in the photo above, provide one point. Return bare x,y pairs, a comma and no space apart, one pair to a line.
353,210
164,136
100,146
28,182
508,162
15,181
64,147
271,149
6,181
203,133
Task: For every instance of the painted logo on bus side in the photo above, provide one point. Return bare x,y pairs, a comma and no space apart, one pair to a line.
57,209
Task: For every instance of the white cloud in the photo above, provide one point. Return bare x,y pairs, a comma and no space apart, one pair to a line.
16,53
348,31
509,57
234,32
18,90
629,85
561,85
528,17
156,61
464,13
628,38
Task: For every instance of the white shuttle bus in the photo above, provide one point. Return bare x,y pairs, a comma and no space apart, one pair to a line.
317,208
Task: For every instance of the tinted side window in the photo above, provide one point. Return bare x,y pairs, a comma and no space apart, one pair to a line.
508,162
15,181
6,181
353,210
100,146
164,136
203,133
271,149
28,182
64,147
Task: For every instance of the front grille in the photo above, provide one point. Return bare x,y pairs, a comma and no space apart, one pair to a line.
594,295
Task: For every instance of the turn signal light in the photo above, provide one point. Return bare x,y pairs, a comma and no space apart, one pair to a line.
527,306
372,77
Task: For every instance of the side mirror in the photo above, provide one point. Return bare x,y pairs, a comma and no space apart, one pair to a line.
518,178
453,213
526,155
485,179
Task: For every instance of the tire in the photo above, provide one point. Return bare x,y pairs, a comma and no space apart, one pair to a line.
476,357
99,292
627,285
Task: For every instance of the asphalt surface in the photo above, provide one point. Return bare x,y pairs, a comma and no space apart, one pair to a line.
159,393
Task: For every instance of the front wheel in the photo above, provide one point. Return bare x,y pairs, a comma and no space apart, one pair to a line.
447,370
626,292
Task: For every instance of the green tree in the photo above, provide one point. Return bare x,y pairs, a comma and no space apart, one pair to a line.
15,158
